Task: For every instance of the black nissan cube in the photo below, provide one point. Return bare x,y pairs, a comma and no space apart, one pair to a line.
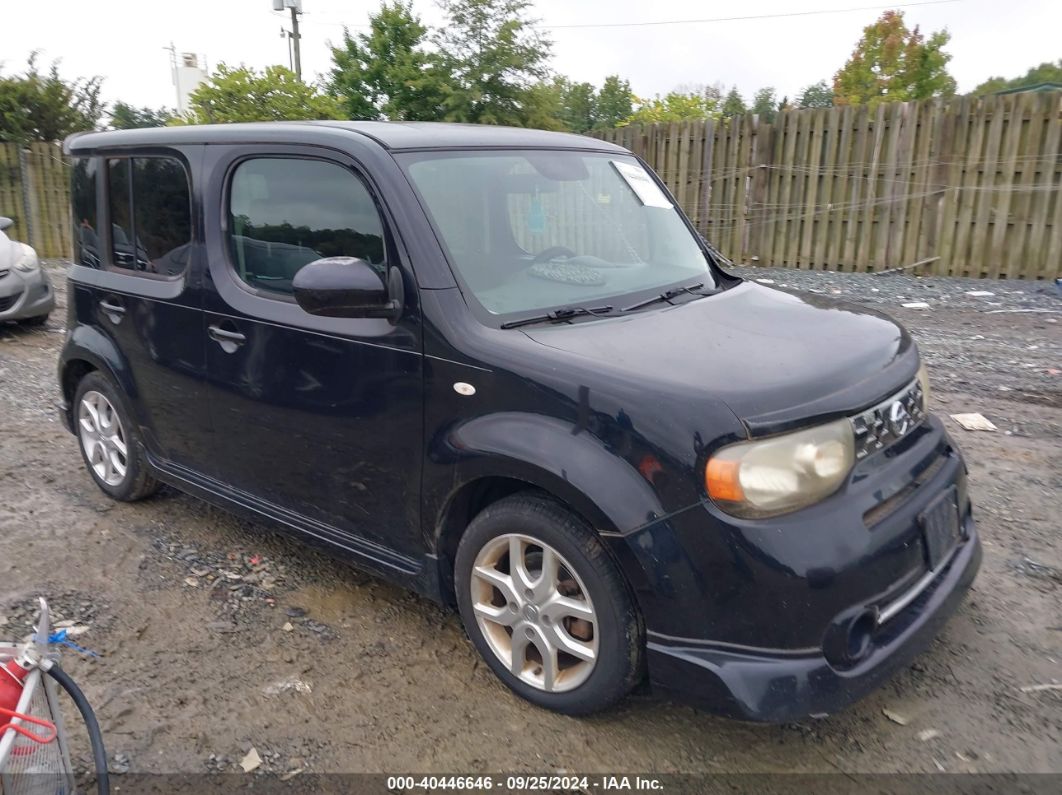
501,368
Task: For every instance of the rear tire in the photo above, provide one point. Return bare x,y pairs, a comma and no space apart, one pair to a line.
109,442
560,628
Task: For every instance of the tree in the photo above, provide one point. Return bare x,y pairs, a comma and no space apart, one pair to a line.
386,73
817,95
542,108
675,106
126,117
1046,72
714,91
496,61
36,106
764,104
614,103
577,104
242,94
733,105
893,64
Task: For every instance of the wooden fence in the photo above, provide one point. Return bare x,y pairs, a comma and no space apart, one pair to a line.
34,193
974,186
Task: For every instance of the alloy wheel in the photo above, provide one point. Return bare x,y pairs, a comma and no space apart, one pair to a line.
534,612
102,438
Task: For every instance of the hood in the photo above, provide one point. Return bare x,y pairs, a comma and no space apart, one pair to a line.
10,251
777,360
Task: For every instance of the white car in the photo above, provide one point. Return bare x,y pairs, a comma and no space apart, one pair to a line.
25,292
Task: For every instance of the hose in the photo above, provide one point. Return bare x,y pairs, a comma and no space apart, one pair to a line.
99,753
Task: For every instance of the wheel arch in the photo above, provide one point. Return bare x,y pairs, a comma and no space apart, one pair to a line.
89,350
502,454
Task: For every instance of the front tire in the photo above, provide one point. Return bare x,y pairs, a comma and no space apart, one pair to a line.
546,606
109,441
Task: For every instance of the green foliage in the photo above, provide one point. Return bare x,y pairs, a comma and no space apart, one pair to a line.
733,105
1046,72
126,117
386,73
894,64
765,105
36,106
675,106
577,108
243,94
495,61
817,95
488,65
615,103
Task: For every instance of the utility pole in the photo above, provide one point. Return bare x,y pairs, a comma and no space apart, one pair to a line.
295,10
295,6
286,34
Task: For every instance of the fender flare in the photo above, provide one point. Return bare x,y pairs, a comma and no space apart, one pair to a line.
89,344
554,455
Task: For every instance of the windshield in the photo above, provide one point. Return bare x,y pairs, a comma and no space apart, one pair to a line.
536,230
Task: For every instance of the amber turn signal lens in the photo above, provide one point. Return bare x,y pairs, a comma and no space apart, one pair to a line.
721,480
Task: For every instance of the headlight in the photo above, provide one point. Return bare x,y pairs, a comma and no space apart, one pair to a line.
783,473
28,260
923,380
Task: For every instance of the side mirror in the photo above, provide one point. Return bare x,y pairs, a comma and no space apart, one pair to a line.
5,223
347,287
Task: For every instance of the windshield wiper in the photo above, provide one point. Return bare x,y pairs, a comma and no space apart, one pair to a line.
559,315
667,295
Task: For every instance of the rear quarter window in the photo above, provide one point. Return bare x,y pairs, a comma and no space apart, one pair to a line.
83,210
151,218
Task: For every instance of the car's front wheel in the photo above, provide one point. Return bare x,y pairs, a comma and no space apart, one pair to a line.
109,442
546,606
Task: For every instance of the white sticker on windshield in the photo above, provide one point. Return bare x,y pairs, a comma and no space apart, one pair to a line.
647,191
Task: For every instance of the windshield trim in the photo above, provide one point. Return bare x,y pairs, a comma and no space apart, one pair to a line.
406,157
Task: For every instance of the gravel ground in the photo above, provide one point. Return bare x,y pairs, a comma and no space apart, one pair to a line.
216,635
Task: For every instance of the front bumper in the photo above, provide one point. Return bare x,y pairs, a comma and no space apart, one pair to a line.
756,618
776,688
25,295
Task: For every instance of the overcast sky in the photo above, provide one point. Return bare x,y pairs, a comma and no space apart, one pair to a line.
123,40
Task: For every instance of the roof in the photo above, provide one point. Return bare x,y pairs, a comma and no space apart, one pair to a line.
1031,87
391,135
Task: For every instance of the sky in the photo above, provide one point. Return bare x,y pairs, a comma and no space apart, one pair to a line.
124,41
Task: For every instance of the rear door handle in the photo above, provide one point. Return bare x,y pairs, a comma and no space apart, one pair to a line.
113,309
228,340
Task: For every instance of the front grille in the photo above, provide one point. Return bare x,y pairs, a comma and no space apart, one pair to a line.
7,302
889,421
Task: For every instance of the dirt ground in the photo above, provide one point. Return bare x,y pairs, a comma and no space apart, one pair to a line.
216,634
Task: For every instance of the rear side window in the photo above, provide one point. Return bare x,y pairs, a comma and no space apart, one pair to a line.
286,212
83,207
151,219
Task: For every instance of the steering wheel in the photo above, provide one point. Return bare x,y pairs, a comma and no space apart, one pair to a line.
552,253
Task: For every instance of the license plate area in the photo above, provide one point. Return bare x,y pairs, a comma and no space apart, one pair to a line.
940,528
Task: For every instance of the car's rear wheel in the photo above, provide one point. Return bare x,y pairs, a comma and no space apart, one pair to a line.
109,443
546,606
